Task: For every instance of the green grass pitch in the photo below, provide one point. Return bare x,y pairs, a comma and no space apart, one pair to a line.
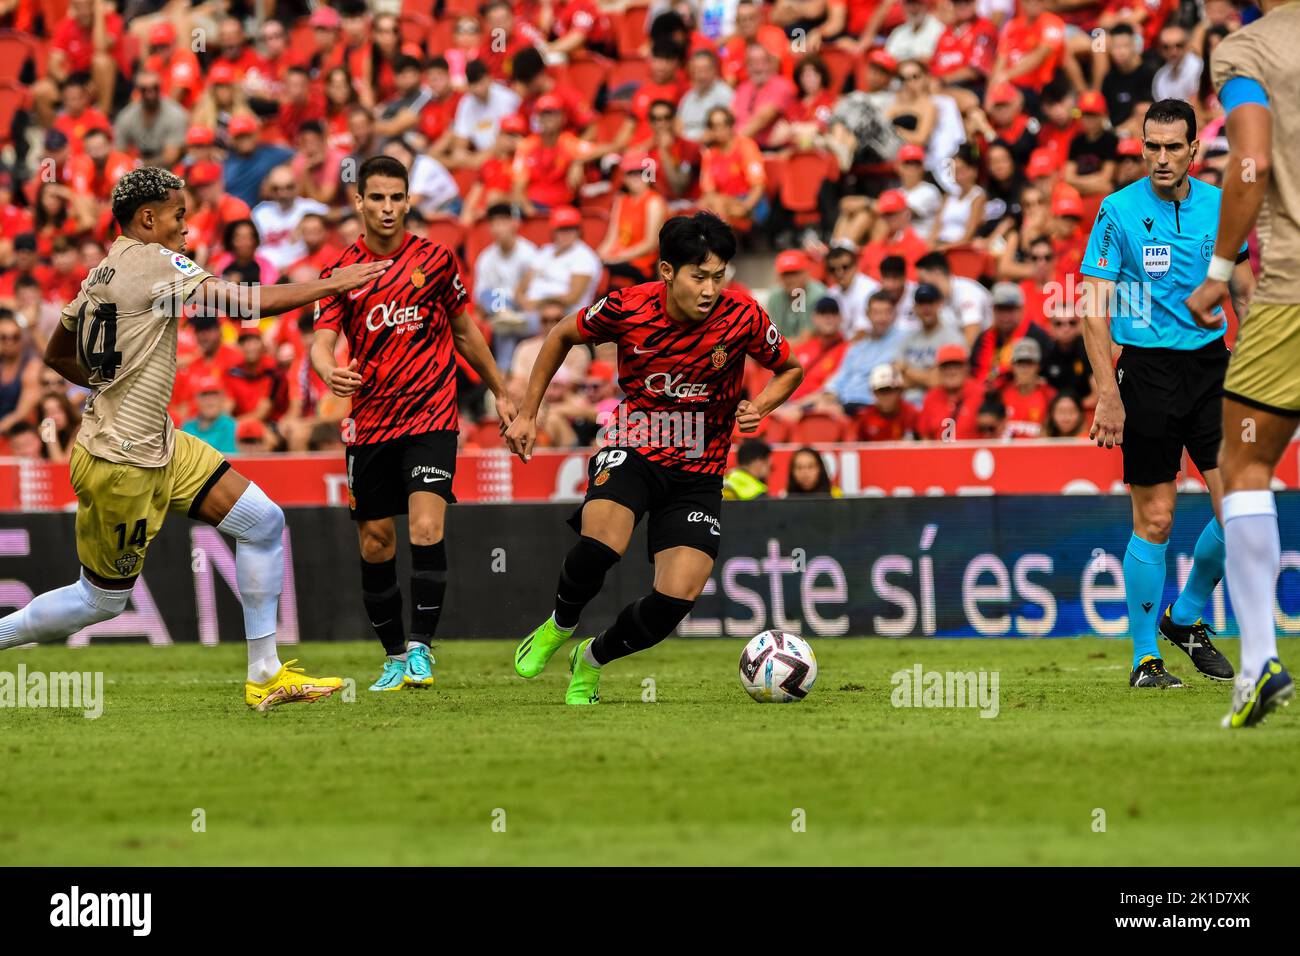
488,769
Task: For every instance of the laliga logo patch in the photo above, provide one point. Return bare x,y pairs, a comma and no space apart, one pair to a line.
1156,258
719,357
185,266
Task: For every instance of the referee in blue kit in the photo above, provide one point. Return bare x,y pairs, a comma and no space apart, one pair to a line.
1150,247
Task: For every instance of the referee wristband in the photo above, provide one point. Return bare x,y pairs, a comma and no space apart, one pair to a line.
1221,269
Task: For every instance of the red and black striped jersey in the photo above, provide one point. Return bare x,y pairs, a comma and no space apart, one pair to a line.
398,328
679,378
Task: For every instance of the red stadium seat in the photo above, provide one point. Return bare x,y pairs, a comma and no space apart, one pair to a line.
816,427
839,62
415,28
968,261
774,171
448,232
610,122
441,35
54,11
586,75
595,223
536,229
465,177
485,434
12,98
632,30
15,50
800,182
302,41
479,238
595,198
633,72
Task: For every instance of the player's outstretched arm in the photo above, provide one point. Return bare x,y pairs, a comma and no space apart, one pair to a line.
61,355
1108,419
263,301
522,433
781,386
469,342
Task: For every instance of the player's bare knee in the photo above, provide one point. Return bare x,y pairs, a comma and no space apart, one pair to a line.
378,542
425,531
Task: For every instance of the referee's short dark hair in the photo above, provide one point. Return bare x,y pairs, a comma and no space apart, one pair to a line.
1171,111
381,166
690,239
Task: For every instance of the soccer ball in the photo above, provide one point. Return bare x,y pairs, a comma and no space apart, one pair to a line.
778,668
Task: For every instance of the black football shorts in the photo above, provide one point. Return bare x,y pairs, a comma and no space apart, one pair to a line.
383,476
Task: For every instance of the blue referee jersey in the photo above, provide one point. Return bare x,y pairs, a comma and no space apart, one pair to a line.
1156,252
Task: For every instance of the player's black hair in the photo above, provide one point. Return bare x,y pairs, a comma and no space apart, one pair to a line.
528,65
752,450
382,166
690,239
934,260
475,70
893,267
1171,111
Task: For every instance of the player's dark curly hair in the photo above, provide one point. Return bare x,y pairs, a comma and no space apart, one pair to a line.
690,239
140,187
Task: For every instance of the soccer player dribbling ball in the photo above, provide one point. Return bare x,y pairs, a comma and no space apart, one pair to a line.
1258,78
130,468
682,343
401,377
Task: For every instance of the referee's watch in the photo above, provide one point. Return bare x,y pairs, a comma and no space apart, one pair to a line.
1221,269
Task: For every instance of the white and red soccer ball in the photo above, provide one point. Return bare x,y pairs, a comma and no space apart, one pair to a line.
778,668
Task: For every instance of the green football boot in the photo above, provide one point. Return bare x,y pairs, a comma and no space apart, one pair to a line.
536,650
584,685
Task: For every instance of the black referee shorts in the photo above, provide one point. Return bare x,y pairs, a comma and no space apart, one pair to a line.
1173,399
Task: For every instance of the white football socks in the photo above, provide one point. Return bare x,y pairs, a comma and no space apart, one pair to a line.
57,614
257,525
1254,555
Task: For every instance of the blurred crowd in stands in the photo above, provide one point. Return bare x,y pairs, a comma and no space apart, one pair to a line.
913,182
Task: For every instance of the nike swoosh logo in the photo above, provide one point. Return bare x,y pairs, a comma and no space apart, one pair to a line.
380,624
637,350
715,532
358,293
421,607
429,481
